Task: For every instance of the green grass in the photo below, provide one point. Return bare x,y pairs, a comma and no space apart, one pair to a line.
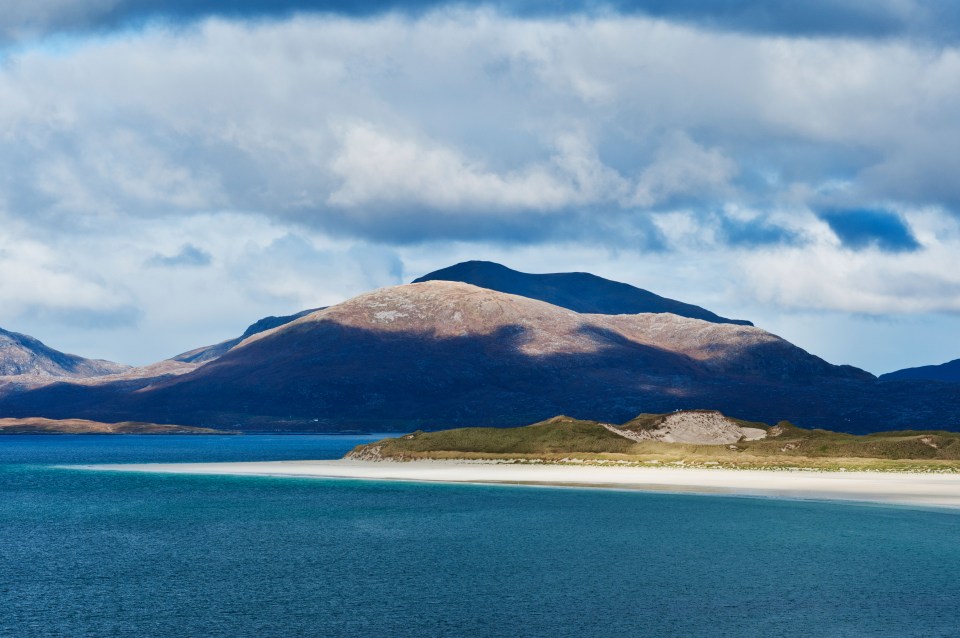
549,437
563,439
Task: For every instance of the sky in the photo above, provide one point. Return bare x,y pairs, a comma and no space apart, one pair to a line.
171,171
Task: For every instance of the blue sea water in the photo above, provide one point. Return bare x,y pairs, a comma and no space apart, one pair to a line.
113,554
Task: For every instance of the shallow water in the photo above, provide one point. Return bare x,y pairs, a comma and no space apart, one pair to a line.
111,554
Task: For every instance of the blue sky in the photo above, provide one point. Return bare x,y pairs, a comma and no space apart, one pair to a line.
172,171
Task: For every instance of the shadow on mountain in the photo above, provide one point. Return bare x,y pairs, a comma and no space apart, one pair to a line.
323,375
578,291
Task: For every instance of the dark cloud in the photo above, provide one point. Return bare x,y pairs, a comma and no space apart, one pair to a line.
859,229
936,20
755,232
189,256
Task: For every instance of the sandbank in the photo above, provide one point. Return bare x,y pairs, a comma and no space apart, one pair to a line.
930,490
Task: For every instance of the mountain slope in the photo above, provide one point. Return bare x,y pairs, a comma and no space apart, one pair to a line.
209,353
577,291
581,292
946,372
22,355
440,353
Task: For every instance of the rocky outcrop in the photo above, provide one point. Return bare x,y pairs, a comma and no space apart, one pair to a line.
365,453
697,427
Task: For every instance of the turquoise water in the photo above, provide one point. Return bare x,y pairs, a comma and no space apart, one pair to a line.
103,554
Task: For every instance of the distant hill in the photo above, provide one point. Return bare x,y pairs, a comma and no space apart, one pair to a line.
80,426
947,372
578,291
209,353
439,353
22,355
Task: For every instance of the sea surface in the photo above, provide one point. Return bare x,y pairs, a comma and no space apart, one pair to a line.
113,554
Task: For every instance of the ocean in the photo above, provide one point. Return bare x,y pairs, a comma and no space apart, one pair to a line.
115,554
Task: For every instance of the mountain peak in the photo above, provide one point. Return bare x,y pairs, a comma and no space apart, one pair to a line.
23,355
528,327
578,291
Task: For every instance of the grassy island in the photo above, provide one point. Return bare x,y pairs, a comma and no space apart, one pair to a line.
649,440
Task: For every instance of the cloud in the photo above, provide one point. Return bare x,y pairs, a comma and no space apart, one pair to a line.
859,229
937,19
755,231
312,155
682,168
459,122
189,255
873,279
377,169
94,294
929,20
38,283
295,271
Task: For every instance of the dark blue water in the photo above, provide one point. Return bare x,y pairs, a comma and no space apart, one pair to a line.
105,554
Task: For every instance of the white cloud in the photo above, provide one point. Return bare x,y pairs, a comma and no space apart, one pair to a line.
37,280
467,110
682,167
825,276
311,157
376,168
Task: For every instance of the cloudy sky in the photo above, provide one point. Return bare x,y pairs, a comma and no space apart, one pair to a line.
172,170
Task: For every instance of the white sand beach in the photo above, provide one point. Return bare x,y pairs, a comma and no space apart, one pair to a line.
931,490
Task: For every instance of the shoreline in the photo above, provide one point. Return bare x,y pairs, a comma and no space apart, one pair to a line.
915,489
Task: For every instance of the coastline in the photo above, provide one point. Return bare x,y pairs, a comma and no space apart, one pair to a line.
916,489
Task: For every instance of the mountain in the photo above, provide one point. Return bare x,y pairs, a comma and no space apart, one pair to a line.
209,353
581,292
577,291
21,355
947,372
437,354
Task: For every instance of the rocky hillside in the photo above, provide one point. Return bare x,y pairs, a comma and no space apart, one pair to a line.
578,291
21,355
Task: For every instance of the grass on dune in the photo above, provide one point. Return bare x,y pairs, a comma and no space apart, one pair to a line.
787,446
551,437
